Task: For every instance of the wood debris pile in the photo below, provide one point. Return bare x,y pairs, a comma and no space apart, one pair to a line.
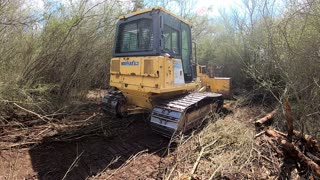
32,128
298,152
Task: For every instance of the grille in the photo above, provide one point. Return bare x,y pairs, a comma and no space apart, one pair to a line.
148,66
115,66
135,36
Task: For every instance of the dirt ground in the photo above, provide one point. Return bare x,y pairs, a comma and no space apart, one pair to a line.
70,153
87,145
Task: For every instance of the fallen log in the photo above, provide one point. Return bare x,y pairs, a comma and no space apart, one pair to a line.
311,142
273,134
296,154
265,119
293,151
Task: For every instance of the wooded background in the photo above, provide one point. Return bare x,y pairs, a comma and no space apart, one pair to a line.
51,57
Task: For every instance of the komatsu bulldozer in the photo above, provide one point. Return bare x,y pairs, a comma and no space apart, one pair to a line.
153,71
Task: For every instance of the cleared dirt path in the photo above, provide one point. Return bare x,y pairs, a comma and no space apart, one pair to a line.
88,155
89,145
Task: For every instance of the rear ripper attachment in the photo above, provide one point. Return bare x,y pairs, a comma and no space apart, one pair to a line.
183,113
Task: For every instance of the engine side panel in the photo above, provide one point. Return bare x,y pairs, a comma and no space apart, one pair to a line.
143,79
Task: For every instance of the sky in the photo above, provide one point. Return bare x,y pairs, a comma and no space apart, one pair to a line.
201,6
216,6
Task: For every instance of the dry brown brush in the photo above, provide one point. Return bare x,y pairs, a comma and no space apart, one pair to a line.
223,149
54,55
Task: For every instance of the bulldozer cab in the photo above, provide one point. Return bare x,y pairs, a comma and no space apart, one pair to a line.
156,32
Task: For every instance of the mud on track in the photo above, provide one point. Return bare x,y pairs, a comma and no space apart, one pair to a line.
101,154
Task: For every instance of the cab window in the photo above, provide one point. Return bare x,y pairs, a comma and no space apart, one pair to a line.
135,36
171,40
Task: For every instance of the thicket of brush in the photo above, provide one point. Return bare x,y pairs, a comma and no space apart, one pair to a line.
270,48
57,54
53,55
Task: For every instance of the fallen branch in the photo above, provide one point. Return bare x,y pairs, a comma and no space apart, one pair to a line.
43,118
105,169
171,171
131,158
295,153
195,166
265,119
19,145
202,151
259,134
215,172
72,165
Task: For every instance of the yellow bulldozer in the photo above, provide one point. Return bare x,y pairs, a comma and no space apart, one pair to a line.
153,71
